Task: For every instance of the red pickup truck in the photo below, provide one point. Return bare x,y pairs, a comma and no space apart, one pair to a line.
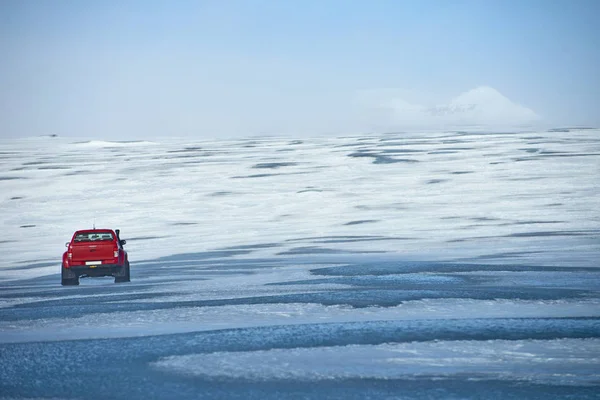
95,252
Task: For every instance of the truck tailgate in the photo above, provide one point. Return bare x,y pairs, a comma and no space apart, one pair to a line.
93,251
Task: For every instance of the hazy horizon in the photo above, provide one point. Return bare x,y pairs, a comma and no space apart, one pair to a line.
207,69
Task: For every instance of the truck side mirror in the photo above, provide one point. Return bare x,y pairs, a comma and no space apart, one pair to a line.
123,242
67,244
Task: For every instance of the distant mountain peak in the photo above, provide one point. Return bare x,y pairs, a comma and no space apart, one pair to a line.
482,106
482,95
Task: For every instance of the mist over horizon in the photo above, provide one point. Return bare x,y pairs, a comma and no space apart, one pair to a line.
379,111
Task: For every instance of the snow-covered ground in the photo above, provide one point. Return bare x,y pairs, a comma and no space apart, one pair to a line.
438,265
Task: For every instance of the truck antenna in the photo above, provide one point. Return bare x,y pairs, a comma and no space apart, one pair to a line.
94,225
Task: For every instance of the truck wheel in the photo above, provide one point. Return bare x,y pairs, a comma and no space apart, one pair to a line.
68,277
123,275
128,273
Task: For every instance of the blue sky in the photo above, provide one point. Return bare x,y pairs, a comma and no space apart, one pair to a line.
146,68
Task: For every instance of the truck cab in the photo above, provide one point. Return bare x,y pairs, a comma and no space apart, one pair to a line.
94,253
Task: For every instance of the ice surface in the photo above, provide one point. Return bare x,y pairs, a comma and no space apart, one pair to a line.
555,362
438,265
524,196
194,319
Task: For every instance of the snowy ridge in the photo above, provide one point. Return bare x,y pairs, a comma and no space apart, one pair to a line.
101,143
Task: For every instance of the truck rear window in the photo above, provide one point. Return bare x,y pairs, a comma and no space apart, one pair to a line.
93,236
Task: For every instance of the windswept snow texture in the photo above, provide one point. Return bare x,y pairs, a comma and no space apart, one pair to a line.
409,266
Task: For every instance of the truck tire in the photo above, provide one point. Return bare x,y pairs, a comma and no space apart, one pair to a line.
68,277
123,275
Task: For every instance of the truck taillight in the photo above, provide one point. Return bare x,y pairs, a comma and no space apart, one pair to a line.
70,255
116,254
